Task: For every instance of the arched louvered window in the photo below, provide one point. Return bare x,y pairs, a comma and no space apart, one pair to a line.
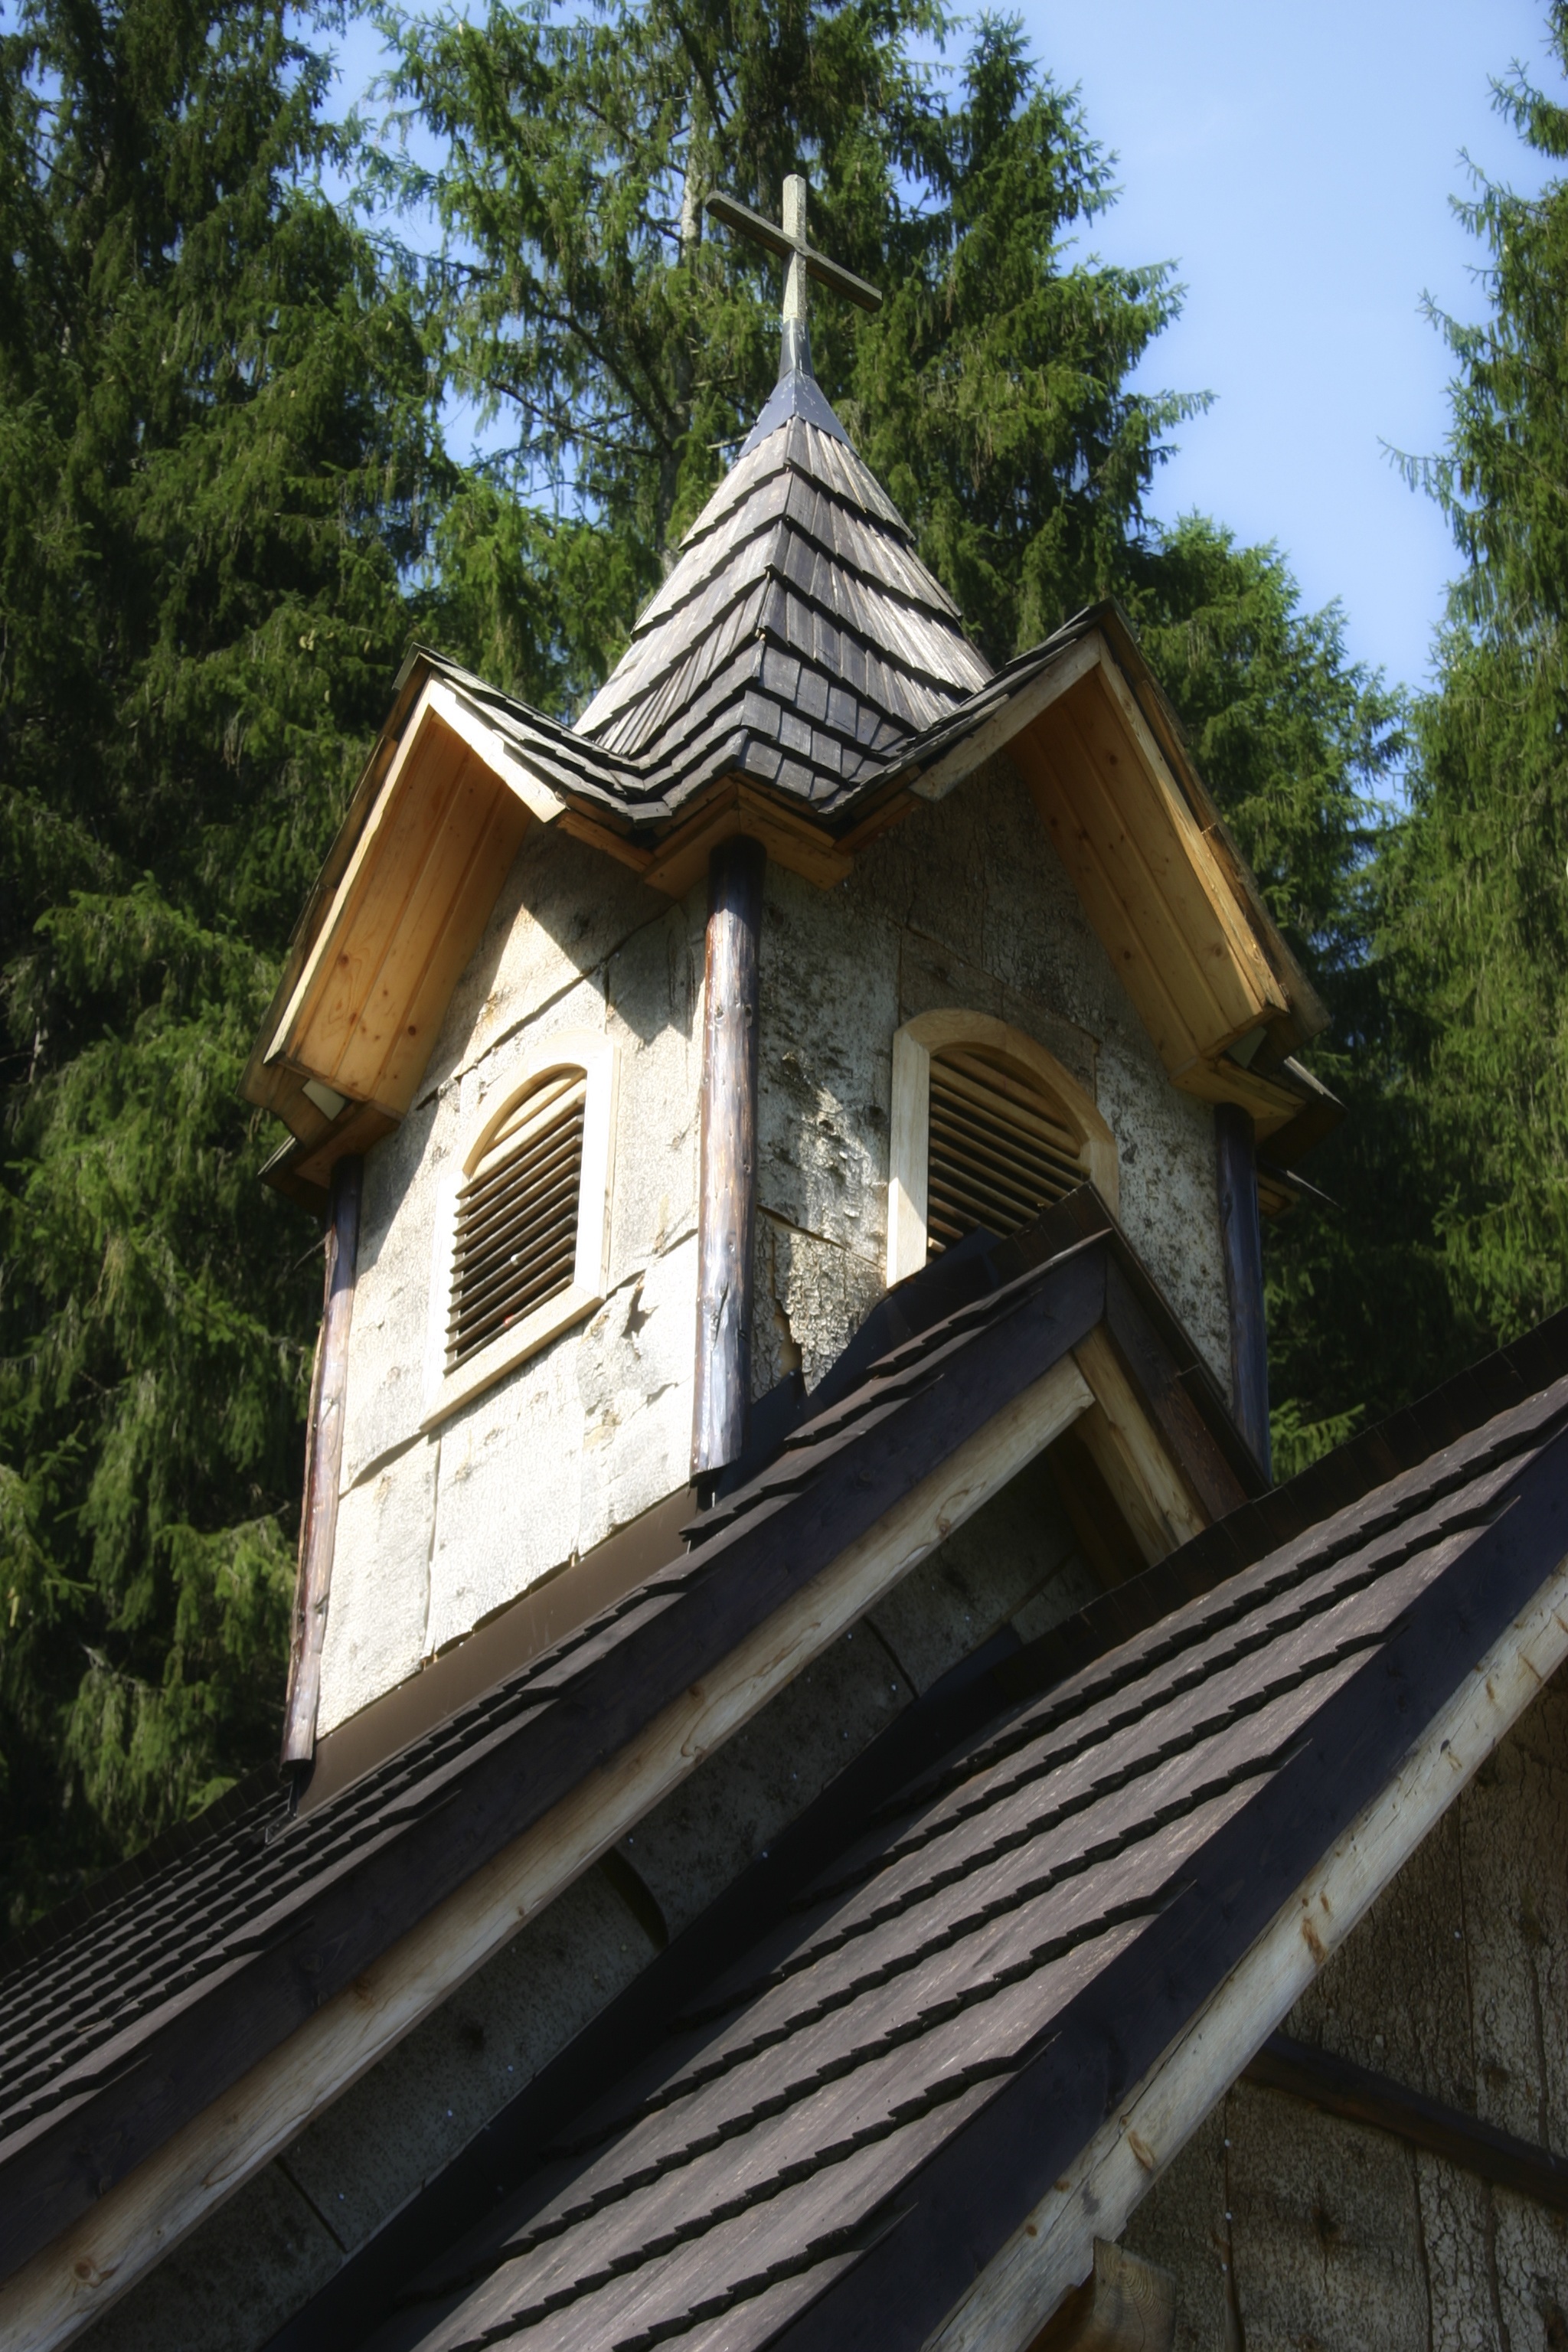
1000,1149
988,1129
523,1231
516,1243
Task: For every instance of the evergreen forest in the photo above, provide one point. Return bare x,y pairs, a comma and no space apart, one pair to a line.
238,335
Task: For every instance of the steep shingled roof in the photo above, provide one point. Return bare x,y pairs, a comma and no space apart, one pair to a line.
799,639
879,2050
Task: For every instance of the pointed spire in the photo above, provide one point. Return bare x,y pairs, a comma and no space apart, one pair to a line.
799,640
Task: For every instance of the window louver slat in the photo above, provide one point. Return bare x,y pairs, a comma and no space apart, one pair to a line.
502,1210
998,1153
517,1265
516,1241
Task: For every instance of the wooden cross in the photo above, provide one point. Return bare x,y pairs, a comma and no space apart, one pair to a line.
790,243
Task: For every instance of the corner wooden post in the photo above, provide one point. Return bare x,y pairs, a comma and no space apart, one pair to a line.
323,1468
1243,1237
728,1198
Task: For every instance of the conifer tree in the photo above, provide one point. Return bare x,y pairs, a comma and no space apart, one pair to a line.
622,347
1478,912
217,472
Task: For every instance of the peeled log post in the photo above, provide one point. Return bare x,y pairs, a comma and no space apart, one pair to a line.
727,1205
323,1468
1243,1236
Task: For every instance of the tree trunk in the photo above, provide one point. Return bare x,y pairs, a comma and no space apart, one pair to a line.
727,1205
323,1468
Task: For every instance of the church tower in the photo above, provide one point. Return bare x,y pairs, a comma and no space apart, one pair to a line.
639,1061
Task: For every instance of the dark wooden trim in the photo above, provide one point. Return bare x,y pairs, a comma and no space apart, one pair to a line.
1340,2088
1242,1233
727,1205
565,1719
1216,1483
323,1467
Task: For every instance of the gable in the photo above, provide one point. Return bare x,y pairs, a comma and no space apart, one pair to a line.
461,772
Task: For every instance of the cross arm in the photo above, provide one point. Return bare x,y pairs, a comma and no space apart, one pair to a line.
765,231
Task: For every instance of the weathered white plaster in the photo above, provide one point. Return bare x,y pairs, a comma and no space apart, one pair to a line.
384,1401
964,904
829,1009
990,919
595,1428
812,1295
563,911
1170,1194
634,1370
507,1510
381,1567
577,1442
654,997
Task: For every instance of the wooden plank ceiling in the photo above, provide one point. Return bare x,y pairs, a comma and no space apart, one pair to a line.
404,921
1157,893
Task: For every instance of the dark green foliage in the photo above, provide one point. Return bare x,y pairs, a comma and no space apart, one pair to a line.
215,465
1304,753
1479,898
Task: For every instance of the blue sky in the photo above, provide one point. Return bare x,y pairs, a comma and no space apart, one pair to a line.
1297,163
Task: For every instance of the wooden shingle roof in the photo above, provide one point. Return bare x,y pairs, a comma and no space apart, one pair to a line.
881,2049
799,640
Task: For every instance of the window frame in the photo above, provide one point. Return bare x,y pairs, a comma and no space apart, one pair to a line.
569,1049
909,1149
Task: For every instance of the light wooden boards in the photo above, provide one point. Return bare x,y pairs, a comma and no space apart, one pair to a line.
406,919
1148,879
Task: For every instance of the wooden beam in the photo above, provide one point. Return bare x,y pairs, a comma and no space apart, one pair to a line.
63,2288
1217,880
1129,1454
728,1199
1125,2304
323,1468
1242,1236
1097,2195
1271,1104
1171,1395
1359,2097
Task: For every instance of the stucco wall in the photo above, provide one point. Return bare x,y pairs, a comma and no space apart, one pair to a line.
1290,2229
437,1530
963,904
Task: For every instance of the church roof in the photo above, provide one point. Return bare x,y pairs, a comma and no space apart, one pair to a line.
944,1985
121,2016
891,2041
799,638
